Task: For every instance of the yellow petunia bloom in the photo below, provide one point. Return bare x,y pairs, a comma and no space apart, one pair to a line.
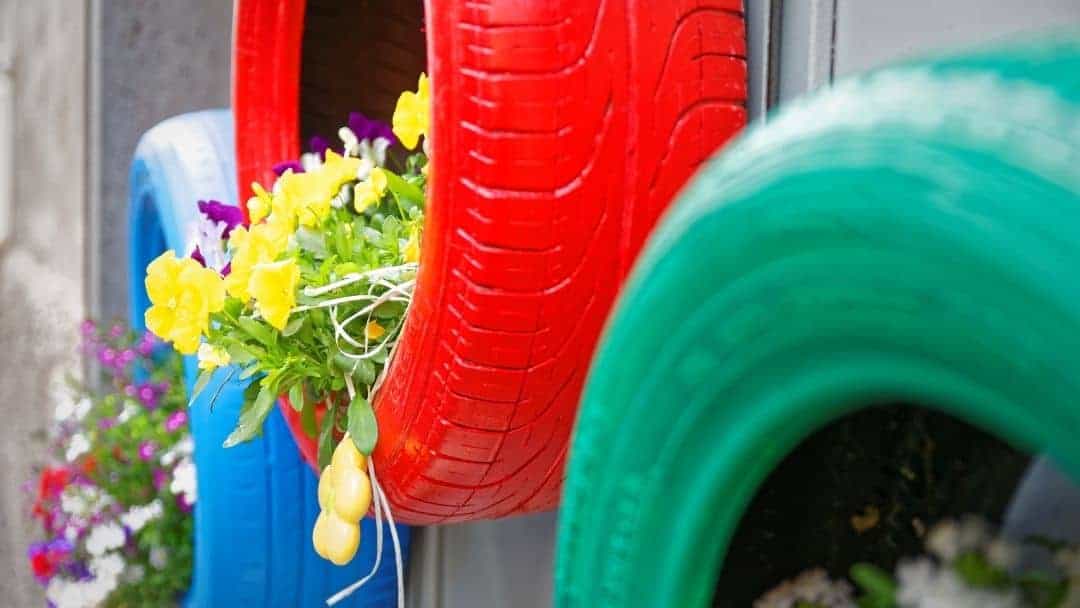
411,116
251,246
183,295
273,285
258,206
212,357
412,246
369,191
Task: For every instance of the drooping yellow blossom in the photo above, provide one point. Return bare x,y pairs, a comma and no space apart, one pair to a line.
212,357
374,331
335,539
273,285
337,170
258,244
411,116
258,206
183,295
412,246
369,191
344,497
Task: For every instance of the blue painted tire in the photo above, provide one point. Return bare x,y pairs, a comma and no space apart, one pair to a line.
257,501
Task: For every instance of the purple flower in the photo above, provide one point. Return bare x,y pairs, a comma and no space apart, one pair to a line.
107,356
293,165
146,344
218,212
149,394
161,478
106,423
198,257
319,145
116,330
88,327
176,420
182,502
366,128
125,358
147,450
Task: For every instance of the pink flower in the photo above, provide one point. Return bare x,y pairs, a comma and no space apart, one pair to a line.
176,420
147,450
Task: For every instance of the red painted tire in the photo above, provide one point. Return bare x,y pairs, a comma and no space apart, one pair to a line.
562,130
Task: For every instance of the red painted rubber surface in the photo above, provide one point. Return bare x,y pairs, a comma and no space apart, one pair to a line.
562,130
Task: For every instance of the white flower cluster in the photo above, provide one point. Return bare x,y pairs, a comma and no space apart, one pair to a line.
80,504
129,411
69,409
925,584
106,570
105,537
183,474
77,446
811,587
138,516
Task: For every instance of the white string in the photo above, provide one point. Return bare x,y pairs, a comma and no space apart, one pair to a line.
380,503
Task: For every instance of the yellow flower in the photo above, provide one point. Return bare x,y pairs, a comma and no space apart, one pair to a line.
412,246
369,191
337,171
212,357
258,244
344,499
183,295
258,206
411,115
273,285
374,331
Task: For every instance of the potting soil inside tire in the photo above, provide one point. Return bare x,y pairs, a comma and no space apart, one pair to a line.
865,488
357,56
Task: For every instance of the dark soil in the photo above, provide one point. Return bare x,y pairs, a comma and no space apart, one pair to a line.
865,488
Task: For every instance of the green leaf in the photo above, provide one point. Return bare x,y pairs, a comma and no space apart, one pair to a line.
363,429
200,384
296,396
307,418
389,310
258,330
293,326
311,240
879,587
975,570
405,193
253,414
326,437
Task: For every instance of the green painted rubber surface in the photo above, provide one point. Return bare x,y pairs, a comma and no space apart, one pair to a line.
912,235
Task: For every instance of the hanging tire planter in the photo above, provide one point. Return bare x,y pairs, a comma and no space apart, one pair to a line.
256,501
556,145
909,236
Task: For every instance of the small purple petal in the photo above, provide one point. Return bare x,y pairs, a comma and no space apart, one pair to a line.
106,423
369,129
319,145
293,165
88,327
220,212
198,257
147,450
161,478
226,269
176,420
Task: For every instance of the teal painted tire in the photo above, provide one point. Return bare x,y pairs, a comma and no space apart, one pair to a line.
912,235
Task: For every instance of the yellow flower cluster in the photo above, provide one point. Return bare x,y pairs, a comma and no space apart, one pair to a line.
344,497
183,295
255,275
412,114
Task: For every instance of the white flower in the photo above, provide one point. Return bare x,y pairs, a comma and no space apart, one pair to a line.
130,409
372,154
83,501
922,584
184,447
183,481
309,162
65,593
77,446
159,557
109,565
139,515
105,537
813,587
209,238
352,146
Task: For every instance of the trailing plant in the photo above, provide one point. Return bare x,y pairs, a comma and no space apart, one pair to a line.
115,500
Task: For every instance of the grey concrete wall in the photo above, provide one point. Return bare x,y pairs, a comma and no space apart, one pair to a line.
41,263
152,59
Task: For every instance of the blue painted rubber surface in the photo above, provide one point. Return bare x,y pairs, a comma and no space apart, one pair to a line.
257,501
